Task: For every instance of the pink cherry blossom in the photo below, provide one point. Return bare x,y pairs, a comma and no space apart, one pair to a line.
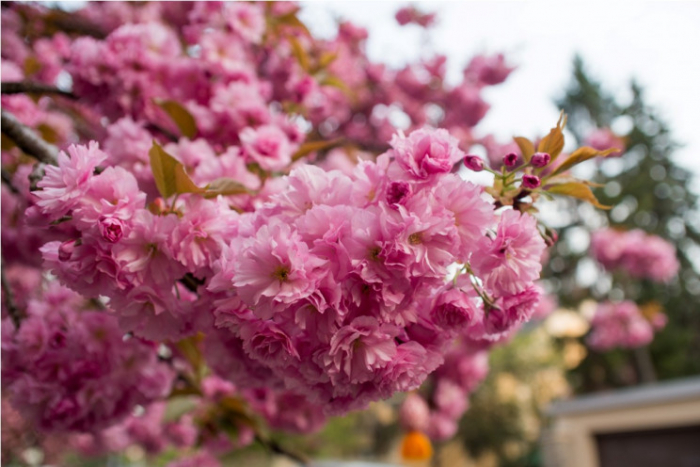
426,152
511,260
639,254
619,325
64,186
268,146
414,413
359,348
455,309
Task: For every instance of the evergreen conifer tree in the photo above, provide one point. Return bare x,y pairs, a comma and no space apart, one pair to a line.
649,191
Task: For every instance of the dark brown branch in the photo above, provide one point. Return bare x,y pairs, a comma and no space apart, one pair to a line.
25,138
7,180
52,20
38,172
153,128
12,310
73,24
276,448
191,282
31,87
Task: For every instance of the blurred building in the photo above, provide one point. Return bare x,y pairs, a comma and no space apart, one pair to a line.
656,425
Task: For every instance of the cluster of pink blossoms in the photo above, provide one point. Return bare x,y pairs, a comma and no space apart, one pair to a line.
335,288
622,325
437,407
639,254
70,369
304,291
411,15
437,415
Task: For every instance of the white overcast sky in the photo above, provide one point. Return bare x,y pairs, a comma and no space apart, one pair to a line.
655,42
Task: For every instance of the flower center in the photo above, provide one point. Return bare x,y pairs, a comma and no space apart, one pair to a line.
281,274
415,238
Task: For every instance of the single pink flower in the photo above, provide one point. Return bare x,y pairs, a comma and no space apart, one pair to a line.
268,146
510,262
424,153
276,265
359,349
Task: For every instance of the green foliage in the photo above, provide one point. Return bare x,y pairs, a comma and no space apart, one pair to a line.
507,410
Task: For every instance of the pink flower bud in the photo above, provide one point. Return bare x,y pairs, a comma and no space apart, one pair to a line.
112,229
551,236
398,192
540,159
531,181
65,251
158,206
509,160
474,163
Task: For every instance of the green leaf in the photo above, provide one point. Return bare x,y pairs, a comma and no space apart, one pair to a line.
580,155
553,143
179,406
335,82
299,52
576,190
291,19
224,186
181,116
163,168
169,174
527,149
326,59
565,178
183,182
312,146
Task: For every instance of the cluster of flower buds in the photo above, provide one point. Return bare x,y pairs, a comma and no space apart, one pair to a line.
510,163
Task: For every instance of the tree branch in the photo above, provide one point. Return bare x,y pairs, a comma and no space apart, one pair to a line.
31,87
191,282
73,24
12,310
53,19
153,128
7,180
25,138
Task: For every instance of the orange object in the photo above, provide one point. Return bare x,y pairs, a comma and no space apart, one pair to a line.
416,447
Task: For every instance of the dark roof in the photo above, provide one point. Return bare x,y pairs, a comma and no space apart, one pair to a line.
650,394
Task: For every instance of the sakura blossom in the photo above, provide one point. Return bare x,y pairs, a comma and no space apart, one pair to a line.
639,254
619,325
226,213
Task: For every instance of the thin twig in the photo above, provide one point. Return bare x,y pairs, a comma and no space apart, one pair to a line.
31,87
25,138
153,128
276,448
7,180
12,310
